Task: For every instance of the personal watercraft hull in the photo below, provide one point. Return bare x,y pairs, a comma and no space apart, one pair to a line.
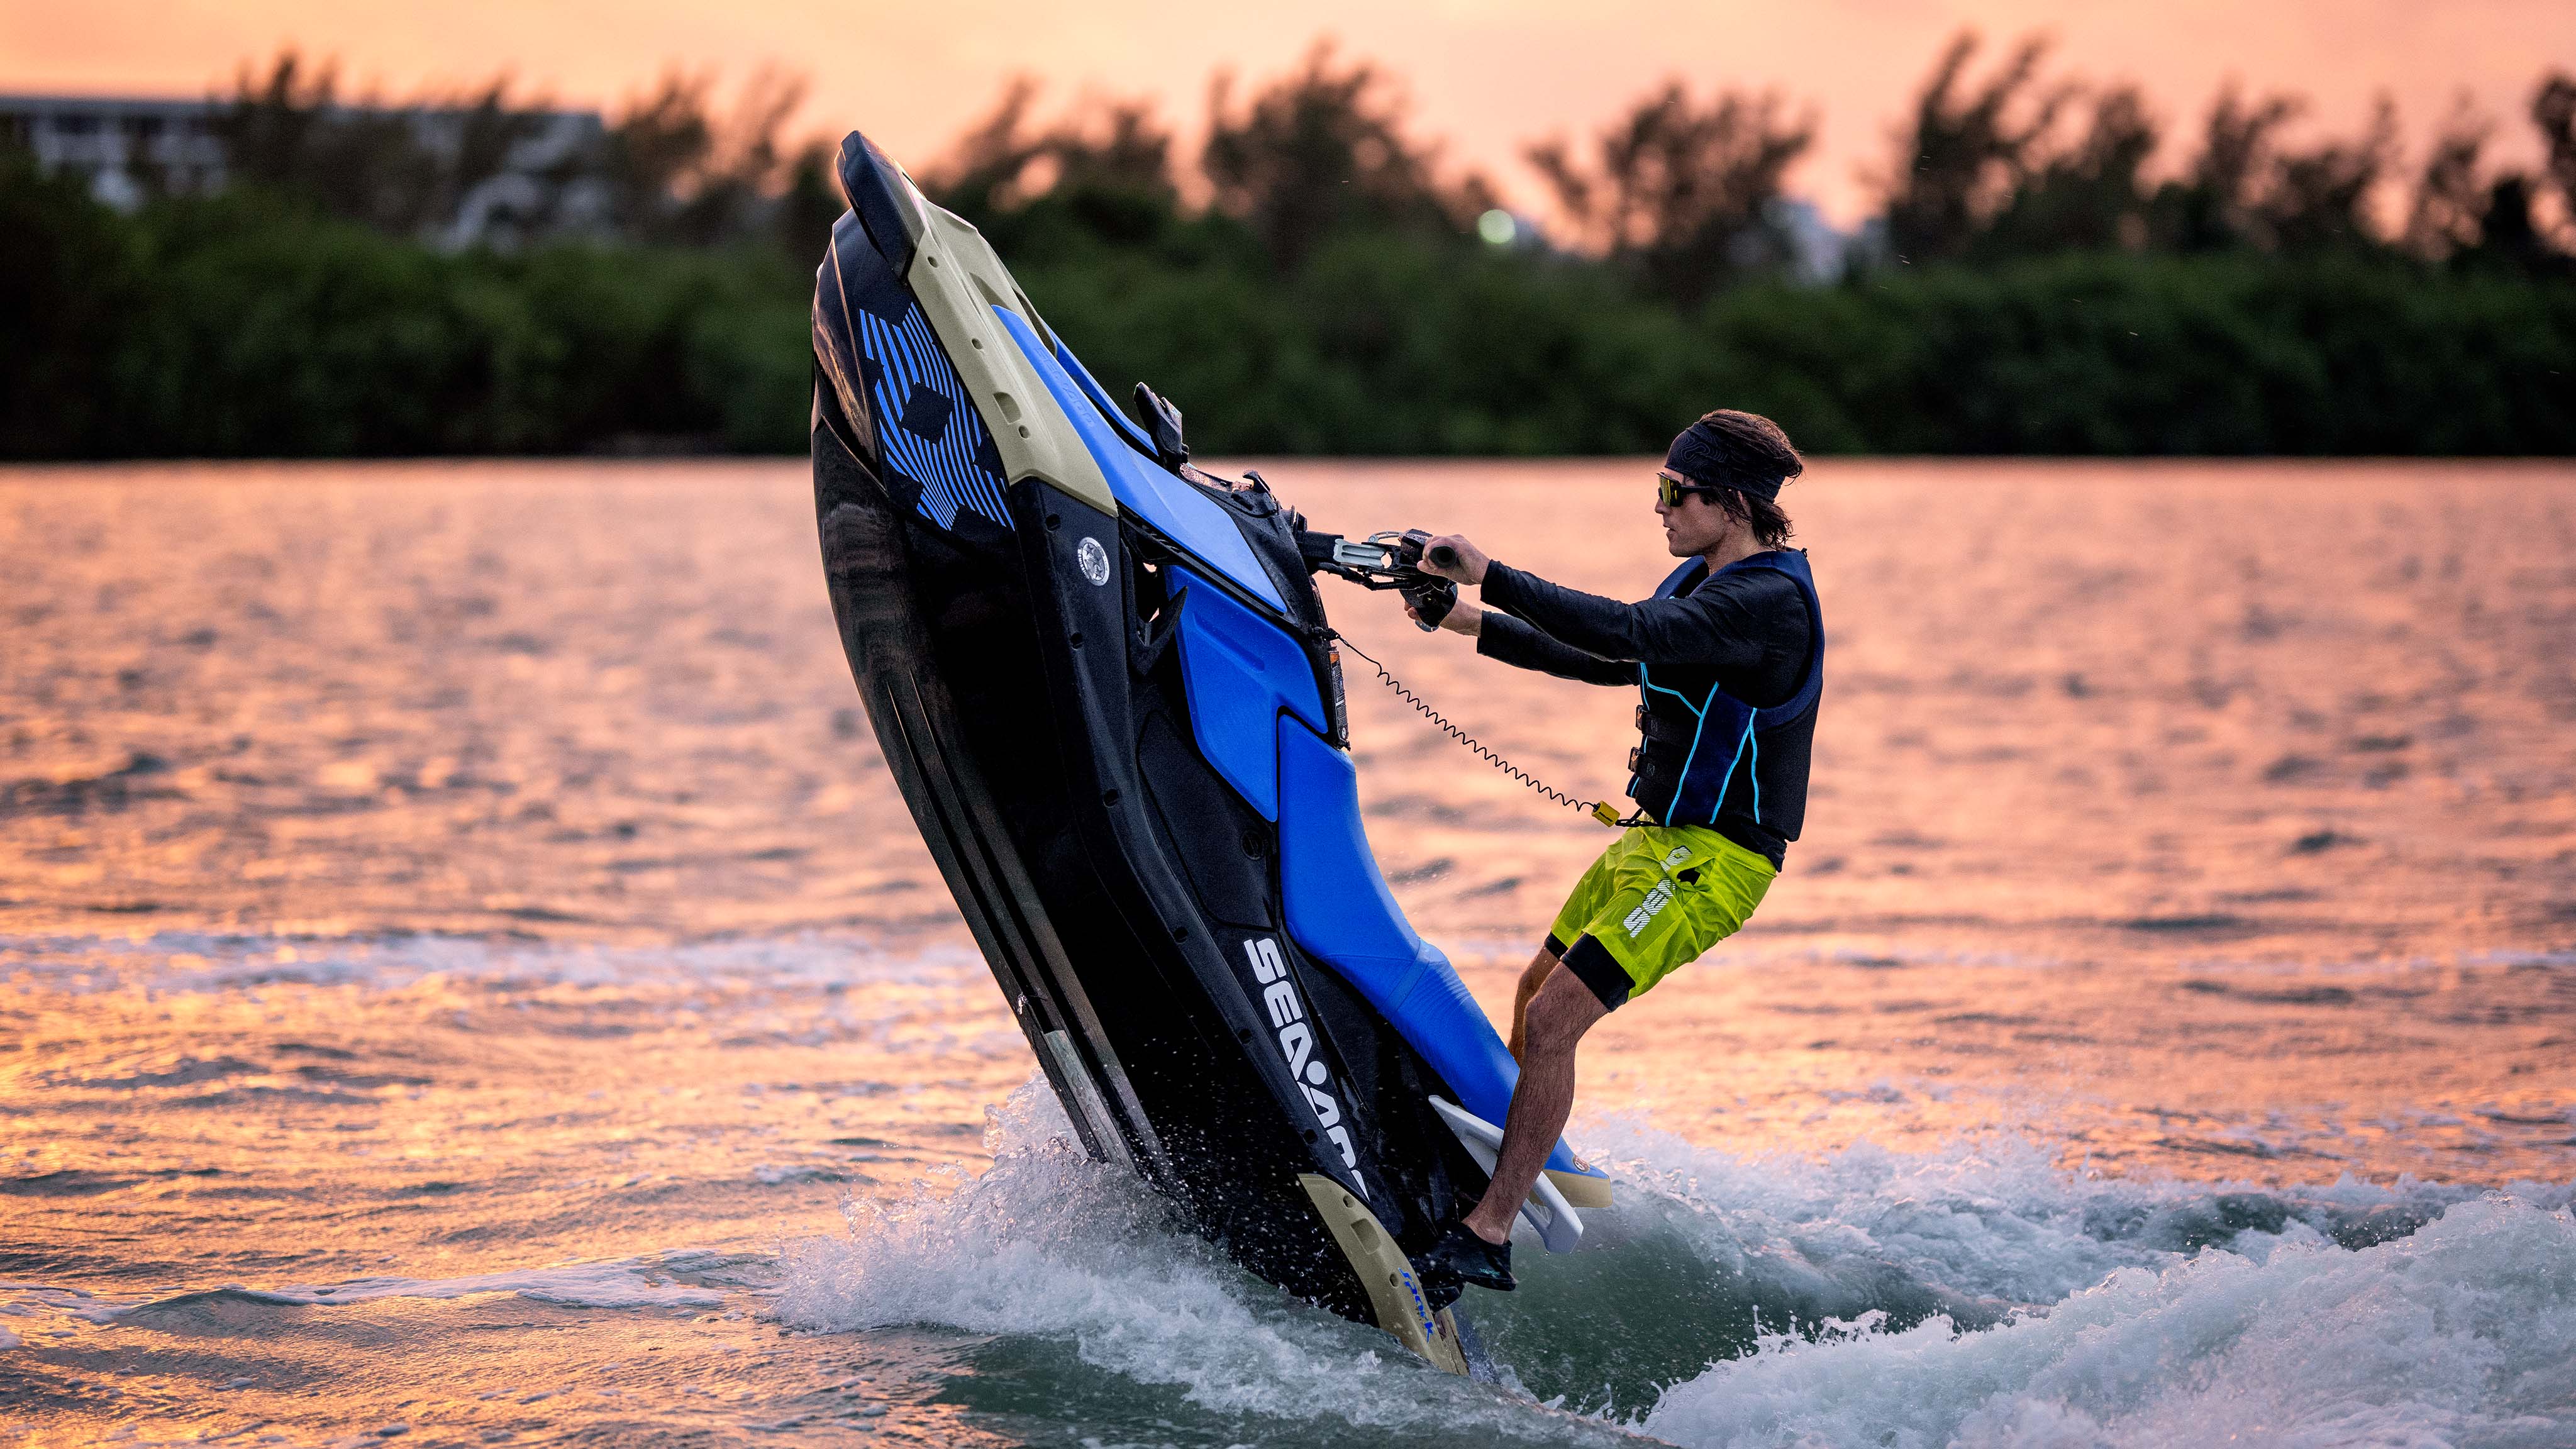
1106,692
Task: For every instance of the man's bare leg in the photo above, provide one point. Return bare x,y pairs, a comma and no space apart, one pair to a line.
1559,1013
1532,978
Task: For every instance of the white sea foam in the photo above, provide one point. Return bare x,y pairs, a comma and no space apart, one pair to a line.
1992,1217
2464,1333
1051,1245
2123,1313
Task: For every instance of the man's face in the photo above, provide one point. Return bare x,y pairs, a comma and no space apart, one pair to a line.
1694,525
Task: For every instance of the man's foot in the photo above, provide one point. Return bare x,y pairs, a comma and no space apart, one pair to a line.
1461,1257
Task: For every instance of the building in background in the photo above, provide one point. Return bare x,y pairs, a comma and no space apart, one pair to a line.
544,180
125,149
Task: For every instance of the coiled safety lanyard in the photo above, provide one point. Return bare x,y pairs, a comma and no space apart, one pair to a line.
1599,810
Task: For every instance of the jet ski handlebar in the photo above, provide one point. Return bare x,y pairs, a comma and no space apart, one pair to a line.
1390,559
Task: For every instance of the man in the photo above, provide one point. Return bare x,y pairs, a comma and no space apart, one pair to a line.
1729,657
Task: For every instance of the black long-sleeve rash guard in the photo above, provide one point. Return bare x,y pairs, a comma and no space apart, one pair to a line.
1751,626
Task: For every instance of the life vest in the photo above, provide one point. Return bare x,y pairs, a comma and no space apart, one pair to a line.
1705,753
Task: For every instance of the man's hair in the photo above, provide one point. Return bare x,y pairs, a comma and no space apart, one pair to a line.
1770,526
1752,449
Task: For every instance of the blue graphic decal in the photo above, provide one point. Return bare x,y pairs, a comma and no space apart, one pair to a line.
930,432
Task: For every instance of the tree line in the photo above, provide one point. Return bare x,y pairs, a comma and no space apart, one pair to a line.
2038,277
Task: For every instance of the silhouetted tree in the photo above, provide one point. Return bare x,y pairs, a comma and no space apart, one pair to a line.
1104,172
2449,212
407,168
980,175
679,173
810,202
2494,223
2212,207
2089,195
1002,163
1965,152
1114,146
2508,234
2553,110
1690,198
2319,199
1323,150
288,132
2244,189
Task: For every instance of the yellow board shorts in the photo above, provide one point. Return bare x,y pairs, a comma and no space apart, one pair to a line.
1657,898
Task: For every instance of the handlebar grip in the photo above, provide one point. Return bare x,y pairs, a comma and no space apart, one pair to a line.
1445,556
1432,601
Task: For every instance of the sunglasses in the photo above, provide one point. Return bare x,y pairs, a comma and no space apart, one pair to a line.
1670,490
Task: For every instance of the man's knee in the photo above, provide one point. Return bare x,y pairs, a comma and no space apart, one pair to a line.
1562,1012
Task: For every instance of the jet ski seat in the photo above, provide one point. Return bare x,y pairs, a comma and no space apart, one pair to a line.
1257,717
1339,908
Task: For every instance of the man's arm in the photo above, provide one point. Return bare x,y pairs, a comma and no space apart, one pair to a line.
1722,623
1500,636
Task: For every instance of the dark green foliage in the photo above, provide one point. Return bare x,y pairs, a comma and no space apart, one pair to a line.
2040,293
2129,355
243,326
248,326
68,287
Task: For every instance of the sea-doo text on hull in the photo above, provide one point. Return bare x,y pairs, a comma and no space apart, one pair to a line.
1103,682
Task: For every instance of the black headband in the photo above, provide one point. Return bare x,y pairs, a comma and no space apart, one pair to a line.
1699,454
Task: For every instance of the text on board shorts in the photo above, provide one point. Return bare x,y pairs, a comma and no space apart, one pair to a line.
1658,897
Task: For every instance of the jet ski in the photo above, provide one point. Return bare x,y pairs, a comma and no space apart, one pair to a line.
1104,681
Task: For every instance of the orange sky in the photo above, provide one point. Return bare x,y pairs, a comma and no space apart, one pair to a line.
1485,74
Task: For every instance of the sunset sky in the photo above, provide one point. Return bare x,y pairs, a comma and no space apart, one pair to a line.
1484,75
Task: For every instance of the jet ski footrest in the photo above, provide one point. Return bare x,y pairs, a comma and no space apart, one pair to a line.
1555,1220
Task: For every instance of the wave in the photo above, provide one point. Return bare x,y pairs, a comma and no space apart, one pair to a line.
183,963
2462,1333
1974,1295
683,1279
1050,1245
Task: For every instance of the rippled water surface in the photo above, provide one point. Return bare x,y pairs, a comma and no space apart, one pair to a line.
466,977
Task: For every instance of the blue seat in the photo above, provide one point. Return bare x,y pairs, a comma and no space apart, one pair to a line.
1340,911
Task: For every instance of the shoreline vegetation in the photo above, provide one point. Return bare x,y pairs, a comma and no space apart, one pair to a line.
2041,278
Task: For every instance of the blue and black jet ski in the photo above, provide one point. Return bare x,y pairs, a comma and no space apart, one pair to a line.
1104,682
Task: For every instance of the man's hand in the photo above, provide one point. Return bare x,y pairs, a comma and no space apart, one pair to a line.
1470,567
1462,618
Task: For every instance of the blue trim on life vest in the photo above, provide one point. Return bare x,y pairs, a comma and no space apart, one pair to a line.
1726,781
1680,807
1755,773
1649,683
1697,731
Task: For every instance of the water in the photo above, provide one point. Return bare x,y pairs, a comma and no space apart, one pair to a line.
465,977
